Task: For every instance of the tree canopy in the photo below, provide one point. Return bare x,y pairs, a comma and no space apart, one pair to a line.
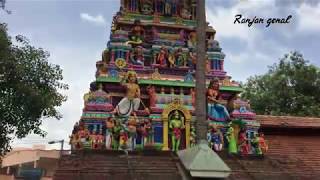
29,88
291,87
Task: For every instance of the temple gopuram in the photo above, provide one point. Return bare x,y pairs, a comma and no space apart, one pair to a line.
144,92
138,119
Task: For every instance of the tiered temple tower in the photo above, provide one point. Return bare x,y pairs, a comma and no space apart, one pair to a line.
144,95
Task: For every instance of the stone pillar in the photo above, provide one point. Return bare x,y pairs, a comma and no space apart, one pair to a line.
35,164
165,134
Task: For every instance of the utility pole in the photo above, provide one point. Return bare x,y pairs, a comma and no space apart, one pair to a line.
201,125
201,161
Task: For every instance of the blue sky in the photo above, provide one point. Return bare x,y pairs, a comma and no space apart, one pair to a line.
76,31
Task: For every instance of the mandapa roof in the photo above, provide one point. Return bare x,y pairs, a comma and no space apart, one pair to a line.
201,161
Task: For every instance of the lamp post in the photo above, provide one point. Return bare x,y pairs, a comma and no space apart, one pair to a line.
59,141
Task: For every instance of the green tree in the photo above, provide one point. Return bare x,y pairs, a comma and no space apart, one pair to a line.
291,87
29,87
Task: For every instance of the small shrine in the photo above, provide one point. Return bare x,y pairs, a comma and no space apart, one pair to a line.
144,92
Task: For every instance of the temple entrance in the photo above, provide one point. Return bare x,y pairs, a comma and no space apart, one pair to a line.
176,122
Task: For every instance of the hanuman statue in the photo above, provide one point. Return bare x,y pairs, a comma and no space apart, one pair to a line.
176,125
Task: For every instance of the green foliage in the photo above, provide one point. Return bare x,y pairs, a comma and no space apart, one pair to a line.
29,87
291,87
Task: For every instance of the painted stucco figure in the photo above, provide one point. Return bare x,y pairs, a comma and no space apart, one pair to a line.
130,103
216,139
232,146
176,125
215,111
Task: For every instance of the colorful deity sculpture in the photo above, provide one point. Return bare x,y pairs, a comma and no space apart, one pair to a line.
216,111
109,127
162,57
216,139
106,56
117,128
192,59
130,103
137,32
176,126
243,146
167,7
146,7
192,41
193,136
152,95
146,132
232,144
255,143
262,143
137,57
132,132
179,58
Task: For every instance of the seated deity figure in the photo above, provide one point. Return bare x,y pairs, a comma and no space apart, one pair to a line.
176,125
131,103
137,56
192,41
179,58
162,56
216,111
137,32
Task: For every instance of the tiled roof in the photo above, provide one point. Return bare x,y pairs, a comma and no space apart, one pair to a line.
288,121
289,157
117,165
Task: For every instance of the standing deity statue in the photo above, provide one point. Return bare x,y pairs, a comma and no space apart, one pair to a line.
216,139
132,132
109,127
262,143
255,143
176,125
216,111
116,130
243,146
152,95
131,103
232,144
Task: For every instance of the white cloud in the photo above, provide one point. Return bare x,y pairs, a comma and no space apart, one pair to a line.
309,17
98,20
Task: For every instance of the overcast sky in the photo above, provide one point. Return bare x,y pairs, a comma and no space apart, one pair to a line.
76,31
